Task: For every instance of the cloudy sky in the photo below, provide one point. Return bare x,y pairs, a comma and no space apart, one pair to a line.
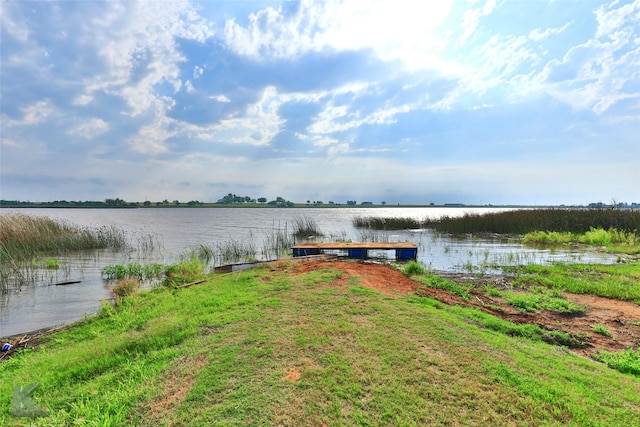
471,101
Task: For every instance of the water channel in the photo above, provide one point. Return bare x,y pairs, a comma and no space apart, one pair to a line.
175,231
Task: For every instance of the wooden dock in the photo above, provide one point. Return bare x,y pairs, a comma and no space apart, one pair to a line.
404,251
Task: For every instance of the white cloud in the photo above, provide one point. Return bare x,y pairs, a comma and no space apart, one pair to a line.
600,73
471,18
539,34
33,114
197,72
90,129
8,142
392,32
220,98
257,126
140,38
609,22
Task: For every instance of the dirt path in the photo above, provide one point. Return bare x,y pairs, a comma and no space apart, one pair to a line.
621,318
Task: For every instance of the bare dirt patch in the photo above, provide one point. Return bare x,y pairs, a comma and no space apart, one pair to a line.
621,318
178,383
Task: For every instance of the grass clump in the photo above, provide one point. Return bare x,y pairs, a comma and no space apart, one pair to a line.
626,361
413,268
434,281
124,288
185,271
305,227
602,330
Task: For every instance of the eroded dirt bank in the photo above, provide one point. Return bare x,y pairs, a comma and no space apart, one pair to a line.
621,318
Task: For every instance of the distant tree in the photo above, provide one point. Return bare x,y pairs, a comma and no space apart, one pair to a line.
114,202
262,200
351,202
383,203
147,203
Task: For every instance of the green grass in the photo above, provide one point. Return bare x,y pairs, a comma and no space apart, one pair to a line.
620,281
265,347
624,361
602,330
612,240
537,298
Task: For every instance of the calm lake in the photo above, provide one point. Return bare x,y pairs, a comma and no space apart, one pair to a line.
175,231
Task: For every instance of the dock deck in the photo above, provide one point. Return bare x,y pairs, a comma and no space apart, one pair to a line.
404,251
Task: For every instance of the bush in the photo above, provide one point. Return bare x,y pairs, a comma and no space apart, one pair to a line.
124,288
413,268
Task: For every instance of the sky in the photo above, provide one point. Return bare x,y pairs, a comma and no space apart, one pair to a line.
465,101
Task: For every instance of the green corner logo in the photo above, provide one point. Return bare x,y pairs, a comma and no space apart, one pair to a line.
22,405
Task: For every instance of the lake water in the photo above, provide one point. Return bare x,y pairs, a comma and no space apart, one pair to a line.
175,231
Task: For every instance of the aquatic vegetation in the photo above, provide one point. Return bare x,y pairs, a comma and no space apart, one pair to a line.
133,270
522,221
24,236
305,227
595,236
383,223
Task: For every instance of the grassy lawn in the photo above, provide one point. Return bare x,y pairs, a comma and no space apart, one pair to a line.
267,347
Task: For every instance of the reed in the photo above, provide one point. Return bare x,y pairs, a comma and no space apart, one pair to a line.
305,227
382,223
25,237
523,221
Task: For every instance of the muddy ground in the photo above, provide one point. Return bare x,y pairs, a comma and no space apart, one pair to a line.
622,318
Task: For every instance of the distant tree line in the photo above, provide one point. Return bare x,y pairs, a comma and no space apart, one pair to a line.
234,199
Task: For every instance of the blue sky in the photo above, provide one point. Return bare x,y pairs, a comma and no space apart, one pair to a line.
477,102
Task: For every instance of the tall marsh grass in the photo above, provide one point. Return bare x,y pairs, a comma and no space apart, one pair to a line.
305,227
24,237
523,221
382,223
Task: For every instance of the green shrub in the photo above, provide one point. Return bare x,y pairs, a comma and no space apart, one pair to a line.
124,288
412,268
